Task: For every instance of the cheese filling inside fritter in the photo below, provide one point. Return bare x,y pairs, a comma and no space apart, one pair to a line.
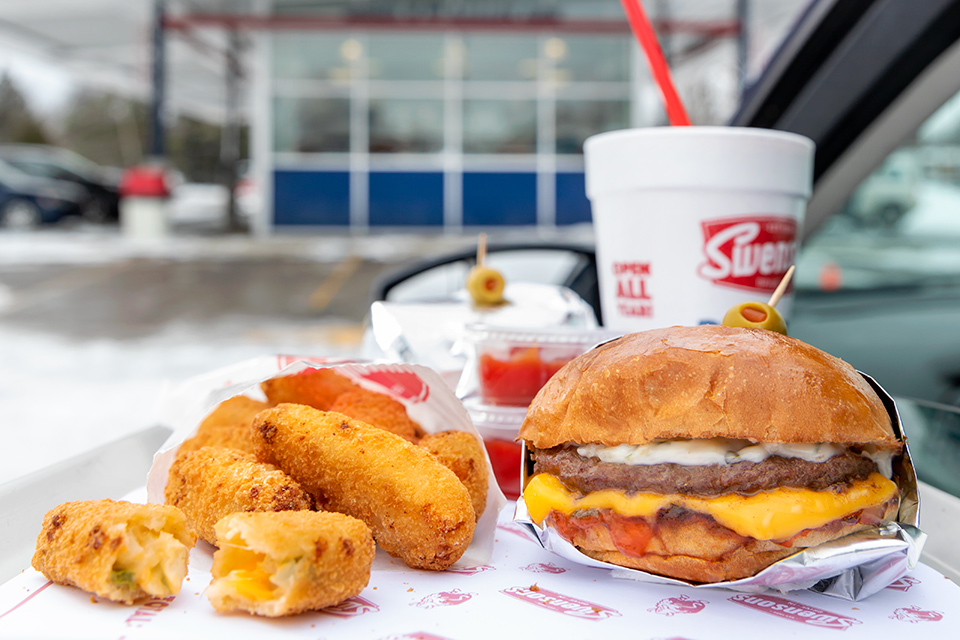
251,574
152,560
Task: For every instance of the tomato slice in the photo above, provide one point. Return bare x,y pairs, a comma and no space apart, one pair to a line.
630,534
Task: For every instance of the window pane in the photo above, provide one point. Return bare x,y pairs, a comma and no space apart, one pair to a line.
499,126
406,126
577,120
400,57
500,58
311,125
590,59
314,56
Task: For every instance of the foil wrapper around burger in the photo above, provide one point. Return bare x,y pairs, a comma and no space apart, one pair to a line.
853,567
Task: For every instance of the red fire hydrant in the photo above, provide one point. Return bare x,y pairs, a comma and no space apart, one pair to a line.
144,193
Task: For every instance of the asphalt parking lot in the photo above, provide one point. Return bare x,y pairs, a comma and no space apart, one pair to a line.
106,287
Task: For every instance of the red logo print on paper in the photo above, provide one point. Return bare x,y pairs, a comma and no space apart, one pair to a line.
351,607
783,608
680,604
146,611
560,603
914,614
401,384
750,253
516,529
286,361
444,599
544,567
469,571
633,289
903,584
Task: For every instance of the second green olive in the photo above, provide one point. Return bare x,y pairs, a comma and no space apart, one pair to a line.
755,315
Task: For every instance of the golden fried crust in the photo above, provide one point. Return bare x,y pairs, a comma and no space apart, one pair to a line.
229,425
86,543
705,382
462,453
209,483
417,508
317,388
277,564
377,409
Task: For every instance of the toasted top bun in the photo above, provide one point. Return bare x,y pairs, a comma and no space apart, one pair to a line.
705,382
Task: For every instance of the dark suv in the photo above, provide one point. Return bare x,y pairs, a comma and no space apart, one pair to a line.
101,198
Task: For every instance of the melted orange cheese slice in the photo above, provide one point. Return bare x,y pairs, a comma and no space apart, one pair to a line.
771,515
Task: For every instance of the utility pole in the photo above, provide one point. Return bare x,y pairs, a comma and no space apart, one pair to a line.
743,43
156,144
230,140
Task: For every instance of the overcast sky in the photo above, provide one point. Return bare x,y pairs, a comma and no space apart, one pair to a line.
46,85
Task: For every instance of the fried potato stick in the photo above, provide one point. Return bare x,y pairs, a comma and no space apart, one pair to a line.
118,550
317,388
377,409
212,482
278,564
462,453
229,425
417,508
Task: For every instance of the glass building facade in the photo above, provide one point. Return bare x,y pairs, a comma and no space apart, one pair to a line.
442,129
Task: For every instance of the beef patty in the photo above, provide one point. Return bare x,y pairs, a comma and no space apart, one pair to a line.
590,474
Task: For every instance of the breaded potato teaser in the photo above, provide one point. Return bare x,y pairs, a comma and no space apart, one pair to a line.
462,453
417,508
228,425
277,564
317,388
212,482
118,550
377,409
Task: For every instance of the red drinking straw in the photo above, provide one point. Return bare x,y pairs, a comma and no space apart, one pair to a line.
643,30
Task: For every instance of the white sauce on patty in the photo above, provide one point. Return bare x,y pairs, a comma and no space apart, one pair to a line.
725,451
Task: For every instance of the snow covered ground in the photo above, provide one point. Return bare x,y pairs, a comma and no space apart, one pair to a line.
60,396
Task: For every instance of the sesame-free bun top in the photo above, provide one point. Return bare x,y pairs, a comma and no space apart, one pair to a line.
705,382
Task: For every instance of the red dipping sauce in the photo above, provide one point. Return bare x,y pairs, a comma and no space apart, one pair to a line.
505,459
509,365
499,427
515,380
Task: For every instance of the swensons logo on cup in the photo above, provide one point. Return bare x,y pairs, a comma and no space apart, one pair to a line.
748,253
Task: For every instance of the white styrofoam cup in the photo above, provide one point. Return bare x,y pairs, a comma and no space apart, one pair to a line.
690,221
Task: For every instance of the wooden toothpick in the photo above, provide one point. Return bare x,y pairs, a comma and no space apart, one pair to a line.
782,287
482,250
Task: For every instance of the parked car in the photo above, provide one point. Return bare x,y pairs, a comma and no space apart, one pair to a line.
27,201
101,201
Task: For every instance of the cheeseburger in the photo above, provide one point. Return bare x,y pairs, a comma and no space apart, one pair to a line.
707,453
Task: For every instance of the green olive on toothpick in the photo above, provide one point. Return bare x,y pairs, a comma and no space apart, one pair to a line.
760,315
485,284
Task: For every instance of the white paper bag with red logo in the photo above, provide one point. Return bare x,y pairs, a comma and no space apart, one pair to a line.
427,399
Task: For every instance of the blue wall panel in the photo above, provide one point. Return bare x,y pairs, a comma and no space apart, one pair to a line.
406,198
312,197
499,199
572,204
